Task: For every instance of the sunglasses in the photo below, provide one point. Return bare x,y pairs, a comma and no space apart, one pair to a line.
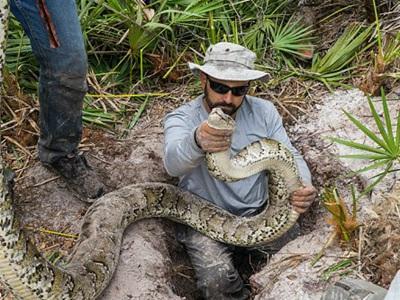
223,89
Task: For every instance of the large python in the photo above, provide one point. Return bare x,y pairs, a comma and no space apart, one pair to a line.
91,264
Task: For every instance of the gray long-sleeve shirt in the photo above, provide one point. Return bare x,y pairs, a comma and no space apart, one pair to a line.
255,119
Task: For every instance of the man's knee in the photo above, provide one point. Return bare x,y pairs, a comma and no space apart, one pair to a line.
75,64
69,71
217,277
221,282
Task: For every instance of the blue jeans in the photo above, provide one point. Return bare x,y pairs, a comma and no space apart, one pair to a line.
56,39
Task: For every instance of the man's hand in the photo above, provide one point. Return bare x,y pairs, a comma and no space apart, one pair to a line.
302,198
213,140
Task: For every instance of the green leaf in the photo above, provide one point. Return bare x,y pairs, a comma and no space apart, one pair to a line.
140,37
366,156
379,179
291,38
358,145
389,150
343,51
398,130
369,133
371,167
386,113
155,25
379,124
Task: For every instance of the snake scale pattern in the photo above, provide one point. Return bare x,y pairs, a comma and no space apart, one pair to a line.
91,264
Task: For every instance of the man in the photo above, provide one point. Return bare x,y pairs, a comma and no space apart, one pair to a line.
225,78
56,39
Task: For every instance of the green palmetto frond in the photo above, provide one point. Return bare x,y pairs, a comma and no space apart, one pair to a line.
343,51
257,20
291,38
256,35
385,148
333,66
192,15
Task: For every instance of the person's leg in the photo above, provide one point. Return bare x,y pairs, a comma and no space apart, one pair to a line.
56,38
216,275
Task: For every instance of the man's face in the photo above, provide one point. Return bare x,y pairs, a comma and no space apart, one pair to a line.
218,94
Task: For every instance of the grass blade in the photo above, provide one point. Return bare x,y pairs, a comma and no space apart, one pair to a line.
358,146
379,124
365,156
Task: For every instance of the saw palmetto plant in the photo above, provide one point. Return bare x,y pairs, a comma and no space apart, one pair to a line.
383,149
291,38
335,65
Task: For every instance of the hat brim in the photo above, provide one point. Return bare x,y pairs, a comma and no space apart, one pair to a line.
228,73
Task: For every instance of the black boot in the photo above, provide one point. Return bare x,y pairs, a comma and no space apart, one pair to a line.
79,176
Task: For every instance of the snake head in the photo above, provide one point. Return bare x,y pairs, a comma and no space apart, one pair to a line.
220,120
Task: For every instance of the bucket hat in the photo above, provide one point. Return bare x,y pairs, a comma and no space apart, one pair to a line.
227,61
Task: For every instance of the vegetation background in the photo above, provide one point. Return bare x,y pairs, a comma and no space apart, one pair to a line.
138,53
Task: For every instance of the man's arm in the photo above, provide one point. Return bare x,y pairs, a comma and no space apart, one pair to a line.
181,153
185,146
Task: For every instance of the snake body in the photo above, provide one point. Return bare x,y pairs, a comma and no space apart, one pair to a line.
91,264
4,11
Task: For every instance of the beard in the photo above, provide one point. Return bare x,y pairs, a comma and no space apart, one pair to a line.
227,108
